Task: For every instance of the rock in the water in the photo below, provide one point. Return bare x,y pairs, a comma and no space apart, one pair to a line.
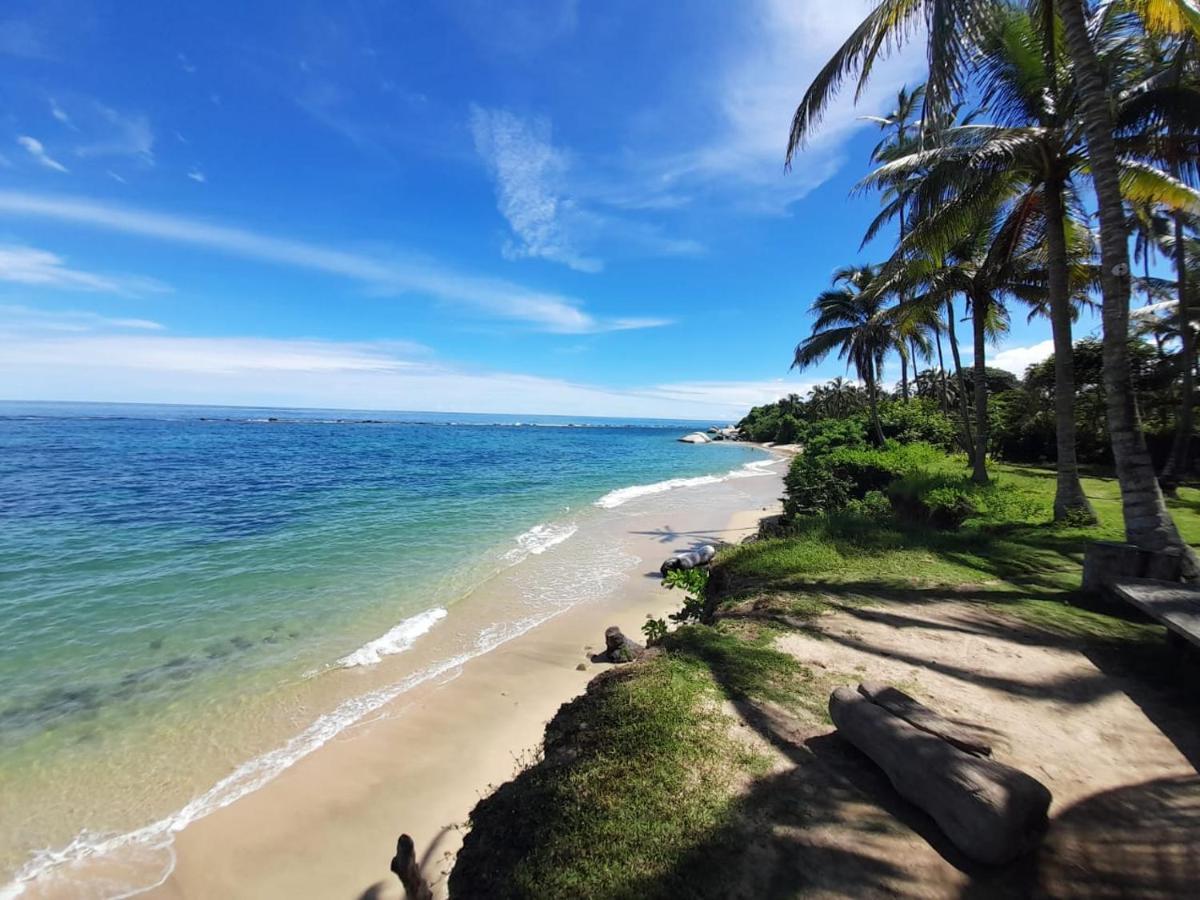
618,648
696,437
582,667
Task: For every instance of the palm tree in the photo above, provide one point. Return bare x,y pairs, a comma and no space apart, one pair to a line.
951,27
897,141
1148,524
1158,120
849,320
1033,147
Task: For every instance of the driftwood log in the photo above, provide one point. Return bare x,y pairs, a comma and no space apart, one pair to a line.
990,811
408,870
921,716
701,556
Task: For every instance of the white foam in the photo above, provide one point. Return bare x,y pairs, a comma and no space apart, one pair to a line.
539,539
397,640
622,496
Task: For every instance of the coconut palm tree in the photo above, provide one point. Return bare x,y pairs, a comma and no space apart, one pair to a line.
1147,521
850,320
951,27
1158,120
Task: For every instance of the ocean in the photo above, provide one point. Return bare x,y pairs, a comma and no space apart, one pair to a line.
192,598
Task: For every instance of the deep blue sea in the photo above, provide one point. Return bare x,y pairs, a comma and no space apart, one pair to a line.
165,568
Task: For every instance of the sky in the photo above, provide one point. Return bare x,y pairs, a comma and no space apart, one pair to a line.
536,206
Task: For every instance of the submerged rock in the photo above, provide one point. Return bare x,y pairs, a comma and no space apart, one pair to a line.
618,648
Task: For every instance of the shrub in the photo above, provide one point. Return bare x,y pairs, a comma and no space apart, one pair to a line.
874,506
828,481
925,498
655,631
913,421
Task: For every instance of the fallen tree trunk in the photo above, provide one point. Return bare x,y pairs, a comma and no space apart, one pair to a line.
990,811
921,716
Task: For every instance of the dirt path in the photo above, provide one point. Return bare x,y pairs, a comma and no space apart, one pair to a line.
1116,751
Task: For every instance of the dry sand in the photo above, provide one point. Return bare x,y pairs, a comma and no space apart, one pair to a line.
327,826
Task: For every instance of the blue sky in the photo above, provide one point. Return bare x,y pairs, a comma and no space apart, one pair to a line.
559,206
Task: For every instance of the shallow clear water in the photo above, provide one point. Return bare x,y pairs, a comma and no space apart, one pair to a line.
170,575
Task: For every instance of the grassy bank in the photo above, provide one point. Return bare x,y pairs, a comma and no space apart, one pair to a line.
669,777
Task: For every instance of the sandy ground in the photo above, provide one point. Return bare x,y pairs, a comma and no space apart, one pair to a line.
327,826
1118,755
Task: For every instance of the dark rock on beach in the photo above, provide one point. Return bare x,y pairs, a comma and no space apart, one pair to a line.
618,648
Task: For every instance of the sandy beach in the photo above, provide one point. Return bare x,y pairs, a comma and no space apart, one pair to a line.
326,827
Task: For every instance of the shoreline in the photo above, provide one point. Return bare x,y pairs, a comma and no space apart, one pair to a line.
459,736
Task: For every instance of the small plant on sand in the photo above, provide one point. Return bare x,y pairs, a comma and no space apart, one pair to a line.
694,582
655,631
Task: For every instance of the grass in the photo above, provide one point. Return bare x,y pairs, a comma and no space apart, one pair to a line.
1009,554
649,767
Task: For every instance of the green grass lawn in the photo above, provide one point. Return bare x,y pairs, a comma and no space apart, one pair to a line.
1010,554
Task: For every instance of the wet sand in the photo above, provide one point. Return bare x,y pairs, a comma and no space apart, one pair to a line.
327,826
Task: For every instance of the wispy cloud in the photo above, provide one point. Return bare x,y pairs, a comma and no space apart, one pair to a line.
185,64
332,374
197,176
747,106
60,114
551,212
118,134
547,311
41,268
23,39
530,181
37,150
25,323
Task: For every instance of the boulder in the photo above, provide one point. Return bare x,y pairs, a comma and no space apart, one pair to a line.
696,437
620,649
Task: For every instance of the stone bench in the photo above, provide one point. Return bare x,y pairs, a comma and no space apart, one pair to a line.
1175,605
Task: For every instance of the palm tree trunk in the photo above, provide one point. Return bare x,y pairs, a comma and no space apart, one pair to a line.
967,441
937,334
1147,522
1070,502
903,375
1178,461
979,325
873,403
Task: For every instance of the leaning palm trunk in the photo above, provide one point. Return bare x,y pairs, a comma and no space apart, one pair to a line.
967,441
1070,502
1147,522
979,309
1180,458
942,373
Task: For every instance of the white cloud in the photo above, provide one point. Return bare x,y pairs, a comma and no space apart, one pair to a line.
331,374
41,268
197,176
1018,359
35,149
530,178
60,114
118,134
20,324
547,311
752,97
186,64
553,211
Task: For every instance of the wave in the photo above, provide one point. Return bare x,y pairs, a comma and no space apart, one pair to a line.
397,640
621,496
539,539
154,841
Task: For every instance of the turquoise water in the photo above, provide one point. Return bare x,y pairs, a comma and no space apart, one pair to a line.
162,568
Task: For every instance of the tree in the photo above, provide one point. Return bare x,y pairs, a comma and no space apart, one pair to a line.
1148,524
849,320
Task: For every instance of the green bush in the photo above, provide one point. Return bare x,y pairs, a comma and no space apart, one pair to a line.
874,506
820,482
929,498
654,630
917,421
